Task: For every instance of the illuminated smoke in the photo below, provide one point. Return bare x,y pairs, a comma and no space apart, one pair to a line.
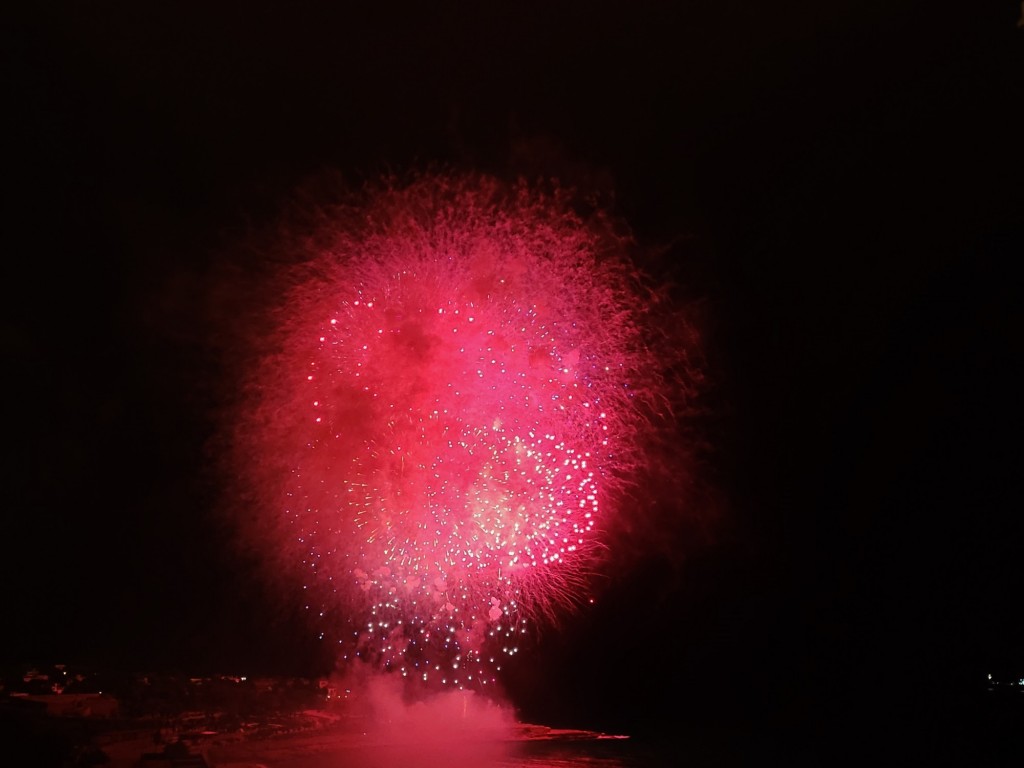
456,386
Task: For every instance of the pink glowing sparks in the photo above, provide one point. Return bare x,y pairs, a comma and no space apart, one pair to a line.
457,383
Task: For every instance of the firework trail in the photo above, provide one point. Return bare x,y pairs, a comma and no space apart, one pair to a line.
454,389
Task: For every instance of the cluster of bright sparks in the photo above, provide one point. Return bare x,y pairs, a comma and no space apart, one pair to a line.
451,397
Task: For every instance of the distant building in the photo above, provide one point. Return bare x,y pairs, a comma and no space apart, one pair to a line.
77,704
265,684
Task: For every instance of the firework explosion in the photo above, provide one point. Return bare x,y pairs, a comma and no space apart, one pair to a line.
457,384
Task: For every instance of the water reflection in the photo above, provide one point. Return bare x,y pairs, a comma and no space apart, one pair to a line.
576,753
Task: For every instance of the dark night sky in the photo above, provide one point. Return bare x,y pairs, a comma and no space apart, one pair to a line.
843,180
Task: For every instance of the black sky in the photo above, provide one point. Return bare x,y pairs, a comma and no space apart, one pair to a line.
843,181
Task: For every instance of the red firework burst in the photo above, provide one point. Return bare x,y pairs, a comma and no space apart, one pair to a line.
455,386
